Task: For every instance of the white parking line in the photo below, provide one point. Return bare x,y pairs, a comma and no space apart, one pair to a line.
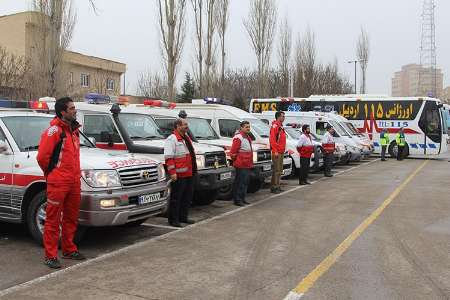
24,285
160,226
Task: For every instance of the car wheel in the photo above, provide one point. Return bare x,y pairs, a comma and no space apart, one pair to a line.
35,219
393,149
254,186
225,193
205,197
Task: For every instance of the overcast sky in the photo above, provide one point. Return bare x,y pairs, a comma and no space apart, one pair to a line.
126,31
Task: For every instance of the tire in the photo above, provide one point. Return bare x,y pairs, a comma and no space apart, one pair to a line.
35,219
254,186
226,193
205,197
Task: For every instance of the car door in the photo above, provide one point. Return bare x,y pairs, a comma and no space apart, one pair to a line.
6,167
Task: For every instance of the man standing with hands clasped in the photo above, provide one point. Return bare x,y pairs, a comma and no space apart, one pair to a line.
59,158
277,145
242,155
328,147
182,166
305,147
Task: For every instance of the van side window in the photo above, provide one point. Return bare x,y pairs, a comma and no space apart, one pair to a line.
320,128
94,125
228,128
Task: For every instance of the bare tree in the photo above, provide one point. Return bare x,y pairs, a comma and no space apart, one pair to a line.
305,65
172,29
14,71
284,55
151,85
197,6
363,53
211,8
55,23
260,27
223,15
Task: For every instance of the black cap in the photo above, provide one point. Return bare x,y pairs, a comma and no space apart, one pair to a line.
182,114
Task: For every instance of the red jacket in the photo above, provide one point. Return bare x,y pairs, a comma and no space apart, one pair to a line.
67,169
305,146
241,151
277,137
178,158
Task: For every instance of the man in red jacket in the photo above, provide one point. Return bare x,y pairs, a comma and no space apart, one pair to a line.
59,159
278,146
181,165
242,155
305,147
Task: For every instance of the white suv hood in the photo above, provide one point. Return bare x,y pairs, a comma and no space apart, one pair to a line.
93,158
199,148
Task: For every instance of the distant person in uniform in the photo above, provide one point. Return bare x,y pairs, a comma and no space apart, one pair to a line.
401,143
384,141
277,141
328,146
305,147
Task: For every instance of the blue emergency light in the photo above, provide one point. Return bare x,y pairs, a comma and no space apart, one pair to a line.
35,105
94,98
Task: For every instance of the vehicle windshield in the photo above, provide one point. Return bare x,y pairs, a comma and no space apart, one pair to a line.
202,129
140,126
315,137
27,131
446,120
351,128
293,132
261,128
339,129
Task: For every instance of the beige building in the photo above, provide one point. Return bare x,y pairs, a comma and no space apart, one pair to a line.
80,74
446,95
406,82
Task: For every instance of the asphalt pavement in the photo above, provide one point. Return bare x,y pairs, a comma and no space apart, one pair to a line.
270,248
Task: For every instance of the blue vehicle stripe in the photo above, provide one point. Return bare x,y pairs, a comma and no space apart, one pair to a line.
414,146
376,144
432,146
423,146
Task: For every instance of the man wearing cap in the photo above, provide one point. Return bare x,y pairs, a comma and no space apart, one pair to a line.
305,147
328,149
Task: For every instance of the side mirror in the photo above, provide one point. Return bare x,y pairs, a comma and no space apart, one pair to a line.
93,140
4,148
106,137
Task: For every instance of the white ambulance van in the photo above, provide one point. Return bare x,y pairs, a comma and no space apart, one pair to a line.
128,129
116,188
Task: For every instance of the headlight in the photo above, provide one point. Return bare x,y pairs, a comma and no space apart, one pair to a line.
200,161
255,156
161,172
104,178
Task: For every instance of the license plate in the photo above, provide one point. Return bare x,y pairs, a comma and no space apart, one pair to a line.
267,167
145,199
226,175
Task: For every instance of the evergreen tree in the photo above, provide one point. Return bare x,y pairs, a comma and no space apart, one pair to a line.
187,90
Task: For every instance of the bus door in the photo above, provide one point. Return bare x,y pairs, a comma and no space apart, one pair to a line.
430,123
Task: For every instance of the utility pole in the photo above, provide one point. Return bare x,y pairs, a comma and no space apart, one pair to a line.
354,62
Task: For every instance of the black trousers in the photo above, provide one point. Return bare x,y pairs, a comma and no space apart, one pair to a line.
328,162
383,151
400,152
182,191
304,169
240,185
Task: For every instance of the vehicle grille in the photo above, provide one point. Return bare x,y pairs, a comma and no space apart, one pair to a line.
212,157
264,155
138,175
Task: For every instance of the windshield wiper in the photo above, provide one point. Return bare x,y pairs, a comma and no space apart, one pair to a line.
85,145
209,137
264,136
29,148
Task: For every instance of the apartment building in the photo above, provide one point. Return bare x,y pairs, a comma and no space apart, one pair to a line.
21,35
406,82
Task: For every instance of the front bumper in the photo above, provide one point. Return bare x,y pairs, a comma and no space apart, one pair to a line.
92,214
210,179
261,170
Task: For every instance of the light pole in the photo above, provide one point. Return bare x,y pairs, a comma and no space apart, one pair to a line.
355,62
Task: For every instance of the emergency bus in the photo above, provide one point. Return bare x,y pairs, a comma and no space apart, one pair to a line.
422,118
